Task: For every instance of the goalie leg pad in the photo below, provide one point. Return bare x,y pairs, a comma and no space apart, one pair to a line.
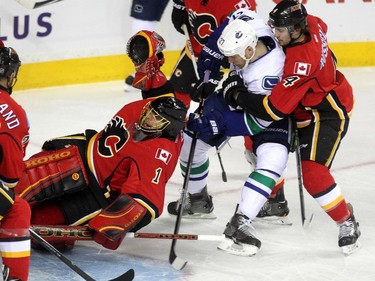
50,174
112,224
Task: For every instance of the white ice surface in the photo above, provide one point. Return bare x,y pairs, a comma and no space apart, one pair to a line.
288,252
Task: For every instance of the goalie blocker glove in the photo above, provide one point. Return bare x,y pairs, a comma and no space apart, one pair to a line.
112,224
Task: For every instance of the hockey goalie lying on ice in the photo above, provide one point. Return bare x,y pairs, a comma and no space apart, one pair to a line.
113,180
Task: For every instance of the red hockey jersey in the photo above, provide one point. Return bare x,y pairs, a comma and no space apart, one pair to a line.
204,19
14,138
309,76
140,169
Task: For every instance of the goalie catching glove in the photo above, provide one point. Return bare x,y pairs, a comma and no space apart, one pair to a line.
145,49
112,224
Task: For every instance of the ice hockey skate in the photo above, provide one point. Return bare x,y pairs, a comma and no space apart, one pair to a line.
349,234
196,206
5,270
238,237
274,212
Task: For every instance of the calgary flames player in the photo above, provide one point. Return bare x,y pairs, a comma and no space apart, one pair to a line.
201,17
321,100
113,180
14,138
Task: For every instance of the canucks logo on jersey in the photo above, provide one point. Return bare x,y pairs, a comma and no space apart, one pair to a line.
269,82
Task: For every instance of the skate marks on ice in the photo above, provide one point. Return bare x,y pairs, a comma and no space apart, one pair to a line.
99,263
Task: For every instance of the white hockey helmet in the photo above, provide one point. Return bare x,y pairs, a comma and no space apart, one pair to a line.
236,37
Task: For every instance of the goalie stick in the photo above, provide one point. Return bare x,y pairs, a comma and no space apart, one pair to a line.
29,4
66,232
127,276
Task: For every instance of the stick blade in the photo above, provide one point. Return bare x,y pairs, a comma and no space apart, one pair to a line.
307,223
127,276
177,262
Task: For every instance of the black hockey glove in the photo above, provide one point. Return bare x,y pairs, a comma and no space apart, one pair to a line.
232,86
205,89
180,16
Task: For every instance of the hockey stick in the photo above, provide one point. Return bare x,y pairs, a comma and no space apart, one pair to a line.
29,4
175,261
65,232
305,224
127,276
194,62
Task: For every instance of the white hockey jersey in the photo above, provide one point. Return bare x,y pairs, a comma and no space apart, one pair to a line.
262,75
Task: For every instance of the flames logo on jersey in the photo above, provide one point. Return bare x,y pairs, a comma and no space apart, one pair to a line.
202,25
113,137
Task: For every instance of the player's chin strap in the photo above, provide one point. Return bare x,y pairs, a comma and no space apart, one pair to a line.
247,61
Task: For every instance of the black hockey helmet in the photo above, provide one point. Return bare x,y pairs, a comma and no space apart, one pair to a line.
9,62
163,117
288,13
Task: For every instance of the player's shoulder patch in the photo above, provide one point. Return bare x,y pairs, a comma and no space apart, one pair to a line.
269,82
302,68
163,155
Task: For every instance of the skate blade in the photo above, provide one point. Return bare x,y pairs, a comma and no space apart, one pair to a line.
350,249
200,216
274,220
237,249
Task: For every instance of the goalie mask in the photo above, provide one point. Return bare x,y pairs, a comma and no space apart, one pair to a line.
9,66
145,50
163,117
237,36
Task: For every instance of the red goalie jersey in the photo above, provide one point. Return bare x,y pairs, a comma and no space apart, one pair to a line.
140,169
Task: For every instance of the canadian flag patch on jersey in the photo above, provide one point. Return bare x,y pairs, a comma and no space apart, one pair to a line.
163,155
302,68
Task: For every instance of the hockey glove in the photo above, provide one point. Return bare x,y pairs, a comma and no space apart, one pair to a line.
209,59
144,45
205,89
179,16
233,86
208,126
